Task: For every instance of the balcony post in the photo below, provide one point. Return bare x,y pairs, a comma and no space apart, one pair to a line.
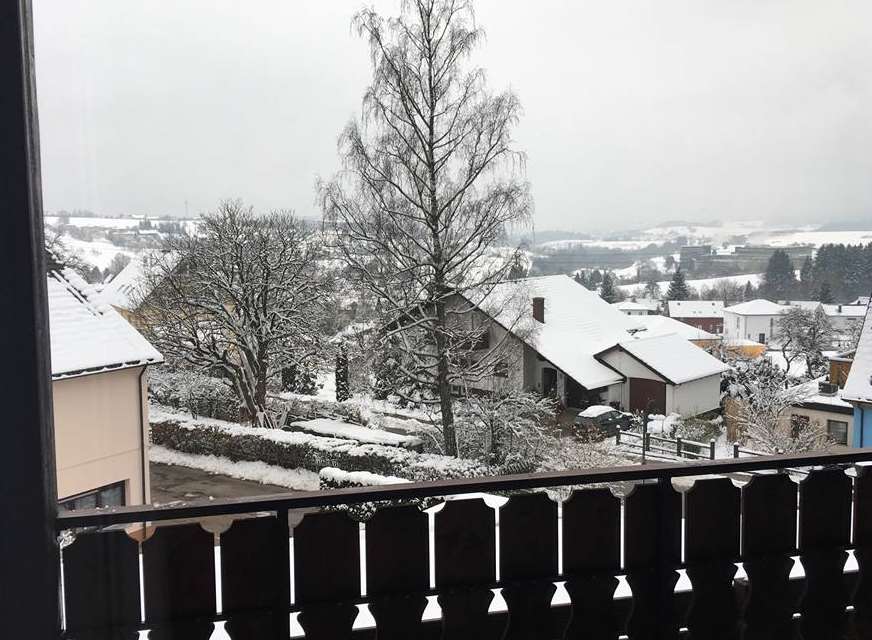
29,606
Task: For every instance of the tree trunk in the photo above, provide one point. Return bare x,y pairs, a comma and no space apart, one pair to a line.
443,384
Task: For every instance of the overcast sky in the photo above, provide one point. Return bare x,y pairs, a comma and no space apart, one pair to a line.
635,111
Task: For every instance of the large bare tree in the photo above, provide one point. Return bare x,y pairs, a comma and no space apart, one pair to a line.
242,297
430,182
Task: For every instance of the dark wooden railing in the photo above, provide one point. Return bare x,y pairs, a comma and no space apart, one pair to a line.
401,556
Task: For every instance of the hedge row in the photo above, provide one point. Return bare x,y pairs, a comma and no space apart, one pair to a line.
293,450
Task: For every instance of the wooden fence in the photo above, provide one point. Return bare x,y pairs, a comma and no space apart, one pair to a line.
588,543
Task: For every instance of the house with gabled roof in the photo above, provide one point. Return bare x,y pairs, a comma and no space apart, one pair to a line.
573,344
858,386
707,315
100,400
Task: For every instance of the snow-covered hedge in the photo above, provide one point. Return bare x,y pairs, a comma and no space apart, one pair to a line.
333,478
196,393
293,450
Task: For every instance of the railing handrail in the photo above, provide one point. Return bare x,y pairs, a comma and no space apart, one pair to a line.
458,486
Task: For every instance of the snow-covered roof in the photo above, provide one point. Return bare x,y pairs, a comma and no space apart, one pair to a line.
88,336
130,286
845,310
578,324
662,325
858,387
816,397
673,358
758,307
862,301
629,305
696,309
341,429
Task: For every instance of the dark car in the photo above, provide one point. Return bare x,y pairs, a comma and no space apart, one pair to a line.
600,421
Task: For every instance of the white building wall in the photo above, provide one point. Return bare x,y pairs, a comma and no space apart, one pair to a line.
629,366
749,327
694,397
821,417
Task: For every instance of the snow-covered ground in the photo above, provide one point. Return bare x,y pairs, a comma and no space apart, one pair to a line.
98,253
753,278
296,479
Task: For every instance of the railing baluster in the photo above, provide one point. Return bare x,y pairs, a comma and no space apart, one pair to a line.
863,551
327,574
253,577
711,550
652,550
824,532
397,570
591,559
769,539
528,563
101,586
178,564
465,548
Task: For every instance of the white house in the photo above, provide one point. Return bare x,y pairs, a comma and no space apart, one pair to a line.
575,345
755,320
858,387
100,397
707,315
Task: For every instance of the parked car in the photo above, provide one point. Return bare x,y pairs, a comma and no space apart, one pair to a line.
600,421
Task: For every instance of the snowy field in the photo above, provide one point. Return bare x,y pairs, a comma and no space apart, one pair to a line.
753,278
98,253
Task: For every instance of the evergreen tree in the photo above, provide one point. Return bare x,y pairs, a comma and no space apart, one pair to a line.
825,294
595,278
779,281
581,278
748,292
343,389
678,289
652,289
806,274
608,291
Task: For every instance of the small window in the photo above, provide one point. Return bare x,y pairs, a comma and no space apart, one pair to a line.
837,431
108,496
761,338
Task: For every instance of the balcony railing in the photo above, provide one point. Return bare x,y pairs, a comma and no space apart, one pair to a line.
761,558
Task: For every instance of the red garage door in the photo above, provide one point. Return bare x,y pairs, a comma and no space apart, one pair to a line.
647,395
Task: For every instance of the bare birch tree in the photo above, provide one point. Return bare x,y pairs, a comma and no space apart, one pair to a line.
242,297
430,182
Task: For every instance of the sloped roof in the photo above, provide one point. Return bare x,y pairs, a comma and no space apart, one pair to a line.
696,309
578,324
86,335
858,387
672,357
130,286
845,310
629,305
758,307
662,325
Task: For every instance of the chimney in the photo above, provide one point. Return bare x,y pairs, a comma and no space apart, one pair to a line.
539,309
839,309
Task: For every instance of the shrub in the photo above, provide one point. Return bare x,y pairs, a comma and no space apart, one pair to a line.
196,393
294,450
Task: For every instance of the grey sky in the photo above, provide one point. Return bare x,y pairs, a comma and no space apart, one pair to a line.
636,111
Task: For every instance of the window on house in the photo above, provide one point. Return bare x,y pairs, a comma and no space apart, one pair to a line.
798,424
837,430
501,369
108,496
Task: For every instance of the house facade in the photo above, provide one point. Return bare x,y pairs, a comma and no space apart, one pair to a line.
707,315
858,386
100,399
567,342
755,320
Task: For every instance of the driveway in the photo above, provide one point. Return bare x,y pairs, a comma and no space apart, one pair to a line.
170,483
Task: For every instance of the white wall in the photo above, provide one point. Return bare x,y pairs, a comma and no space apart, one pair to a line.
694,397
98,440
749,327
629,366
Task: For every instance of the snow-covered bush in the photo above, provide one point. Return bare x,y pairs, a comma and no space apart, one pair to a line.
698,429
294,450
512,429
196,393
332,478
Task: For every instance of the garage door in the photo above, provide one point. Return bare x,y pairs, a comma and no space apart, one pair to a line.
647,395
